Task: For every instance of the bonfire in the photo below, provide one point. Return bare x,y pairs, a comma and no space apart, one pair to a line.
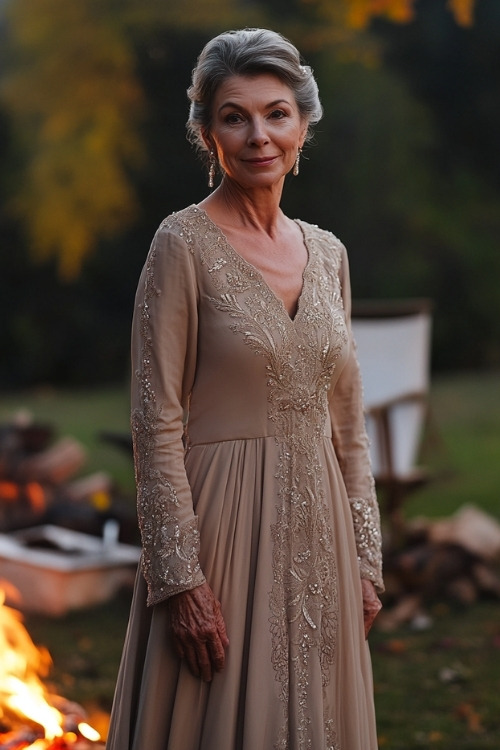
30,717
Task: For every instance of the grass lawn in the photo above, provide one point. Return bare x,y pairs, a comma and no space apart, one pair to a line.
463,447
437,688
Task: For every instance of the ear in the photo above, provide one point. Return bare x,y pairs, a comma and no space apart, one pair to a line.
303,134
207,140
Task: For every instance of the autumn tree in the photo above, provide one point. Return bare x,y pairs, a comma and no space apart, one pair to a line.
71,89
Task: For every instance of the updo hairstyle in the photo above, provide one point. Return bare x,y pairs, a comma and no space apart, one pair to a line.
248,52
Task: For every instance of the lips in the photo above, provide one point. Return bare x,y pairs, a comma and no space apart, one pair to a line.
261,161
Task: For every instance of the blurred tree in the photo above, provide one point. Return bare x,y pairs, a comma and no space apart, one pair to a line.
405,168
359,13
71,85
454,73
71,89
463,10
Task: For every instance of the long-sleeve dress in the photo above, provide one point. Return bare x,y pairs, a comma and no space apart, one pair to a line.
252,473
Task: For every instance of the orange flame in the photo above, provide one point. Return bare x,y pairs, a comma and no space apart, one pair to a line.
33,491
23,696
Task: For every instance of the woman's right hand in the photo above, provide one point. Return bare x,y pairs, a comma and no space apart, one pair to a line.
199,630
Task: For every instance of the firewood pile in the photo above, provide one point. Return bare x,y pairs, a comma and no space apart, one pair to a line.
41,482
455,558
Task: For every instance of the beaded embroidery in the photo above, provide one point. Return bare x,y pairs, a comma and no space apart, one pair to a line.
170,550
301,356
366,519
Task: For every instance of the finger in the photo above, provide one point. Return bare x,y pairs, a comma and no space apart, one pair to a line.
221,629
369,619
368,625
372,608
204,662
178,640
178,647
216,652
192,660
370,613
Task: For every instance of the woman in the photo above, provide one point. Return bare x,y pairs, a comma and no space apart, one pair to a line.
261,541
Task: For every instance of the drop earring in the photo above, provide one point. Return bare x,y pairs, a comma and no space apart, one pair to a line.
295,170
211,170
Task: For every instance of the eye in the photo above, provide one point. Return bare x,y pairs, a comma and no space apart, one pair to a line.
233,118
277,114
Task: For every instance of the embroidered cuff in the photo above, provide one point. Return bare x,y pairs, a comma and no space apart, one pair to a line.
171,564
366,522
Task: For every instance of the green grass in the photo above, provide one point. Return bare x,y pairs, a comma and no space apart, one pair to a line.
418,705
439,688
463,446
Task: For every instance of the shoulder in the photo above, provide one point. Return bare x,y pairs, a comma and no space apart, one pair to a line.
175,238
323,243
186,225
171,252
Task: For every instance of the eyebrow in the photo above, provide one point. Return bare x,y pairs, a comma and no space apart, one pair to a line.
267,106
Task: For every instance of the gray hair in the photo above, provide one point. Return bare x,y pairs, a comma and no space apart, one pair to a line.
248,52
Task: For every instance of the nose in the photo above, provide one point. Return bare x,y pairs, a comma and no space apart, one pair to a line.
258,135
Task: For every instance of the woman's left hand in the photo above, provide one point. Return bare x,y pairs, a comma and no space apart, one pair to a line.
371,604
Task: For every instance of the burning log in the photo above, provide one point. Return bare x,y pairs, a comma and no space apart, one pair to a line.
32,472
31,717
37,484
18,740
24,740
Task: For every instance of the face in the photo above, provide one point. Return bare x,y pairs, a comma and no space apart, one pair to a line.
256,129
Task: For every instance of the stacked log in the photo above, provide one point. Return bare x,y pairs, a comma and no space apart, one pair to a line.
456,558
41,482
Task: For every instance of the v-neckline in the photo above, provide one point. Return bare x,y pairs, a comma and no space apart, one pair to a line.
253,271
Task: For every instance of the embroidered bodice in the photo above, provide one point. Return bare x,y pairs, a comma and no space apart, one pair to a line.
211,338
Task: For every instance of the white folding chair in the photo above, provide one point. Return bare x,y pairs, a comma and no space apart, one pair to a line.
393,341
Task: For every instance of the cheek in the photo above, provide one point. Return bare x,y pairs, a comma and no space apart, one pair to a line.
227,144
225,158
292,137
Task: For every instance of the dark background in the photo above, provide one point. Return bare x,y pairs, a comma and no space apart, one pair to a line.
405,169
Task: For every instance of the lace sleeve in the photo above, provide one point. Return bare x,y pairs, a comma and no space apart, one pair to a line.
164,333
352,449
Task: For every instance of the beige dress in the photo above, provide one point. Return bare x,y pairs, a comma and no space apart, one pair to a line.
252,473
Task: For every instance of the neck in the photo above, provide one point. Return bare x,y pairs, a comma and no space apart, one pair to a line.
232,206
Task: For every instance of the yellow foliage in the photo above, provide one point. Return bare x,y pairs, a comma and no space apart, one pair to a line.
75,103
360,12
357,14
463,11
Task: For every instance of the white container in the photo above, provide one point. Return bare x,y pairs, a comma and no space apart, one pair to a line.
56,570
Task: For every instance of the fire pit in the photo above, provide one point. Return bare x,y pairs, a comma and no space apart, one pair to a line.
56,569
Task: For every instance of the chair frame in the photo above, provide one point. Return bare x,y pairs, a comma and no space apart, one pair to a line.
393,485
